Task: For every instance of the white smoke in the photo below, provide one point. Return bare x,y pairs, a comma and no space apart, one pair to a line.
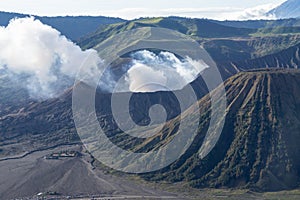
46,60
46,63
149,72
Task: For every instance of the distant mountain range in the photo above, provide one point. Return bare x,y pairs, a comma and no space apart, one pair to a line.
76,27
289,9
72,27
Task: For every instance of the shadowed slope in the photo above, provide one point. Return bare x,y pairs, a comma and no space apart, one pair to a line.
258,146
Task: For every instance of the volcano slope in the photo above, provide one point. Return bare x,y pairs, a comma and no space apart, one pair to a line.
258,147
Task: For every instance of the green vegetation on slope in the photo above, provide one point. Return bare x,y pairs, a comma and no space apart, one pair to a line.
281,30
226,43
258,146
194,27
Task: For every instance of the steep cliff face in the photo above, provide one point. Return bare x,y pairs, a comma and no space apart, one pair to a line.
289,58
258,146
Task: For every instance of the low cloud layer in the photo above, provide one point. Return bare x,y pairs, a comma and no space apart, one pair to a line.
217,13
40,56
255,13
149,72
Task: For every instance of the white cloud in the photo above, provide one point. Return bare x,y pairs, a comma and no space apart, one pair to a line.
48,62
133,13
149,72
40,53
255,13
218,13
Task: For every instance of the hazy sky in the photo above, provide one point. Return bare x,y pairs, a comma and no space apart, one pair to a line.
136,8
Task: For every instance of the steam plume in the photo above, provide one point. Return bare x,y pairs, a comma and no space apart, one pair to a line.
46,60
149,72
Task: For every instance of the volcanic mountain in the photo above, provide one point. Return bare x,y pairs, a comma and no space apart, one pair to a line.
234,49
258,147
289,9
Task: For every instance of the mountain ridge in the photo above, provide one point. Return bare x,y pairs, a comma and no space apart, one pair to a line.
288,9
73,27
256,149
